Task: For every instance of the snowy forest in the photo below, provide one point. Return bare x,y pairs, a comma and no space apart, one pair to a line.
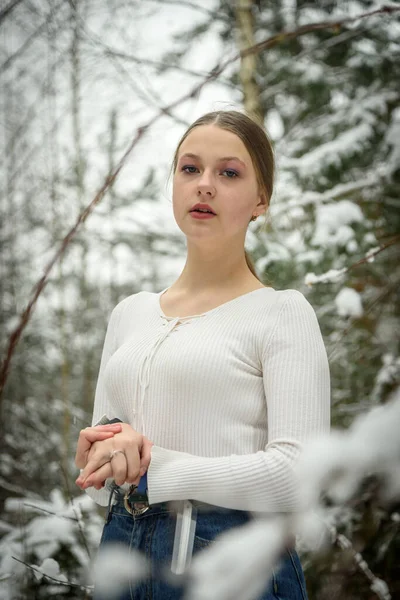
94,97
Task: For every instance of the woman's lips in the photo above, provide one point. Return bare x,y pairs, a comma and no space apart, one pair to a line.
200,215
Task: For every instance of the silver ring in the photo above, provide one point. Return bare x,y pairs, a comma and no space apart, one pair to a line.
114,452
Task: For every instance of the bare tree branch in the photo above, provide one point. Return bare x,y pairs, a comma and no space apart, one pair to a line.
372,253
30,39
284,36
108,50
7,9
32,110
199,7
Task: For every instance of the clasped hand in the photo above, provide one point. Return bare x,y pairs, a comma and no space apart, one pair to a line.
116,451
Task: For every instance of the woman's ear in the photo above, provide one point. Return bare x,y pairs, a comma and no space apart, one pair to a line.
263,204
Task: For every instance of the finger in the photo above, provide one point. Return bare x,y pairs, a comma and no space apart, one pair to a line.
93,452
133,465
145,455
98,478
119,468
99,458
86,439
92,434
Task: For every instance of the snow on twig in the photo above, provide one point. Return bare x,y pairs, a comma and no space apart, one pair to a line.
337,274
328,277
342,190
44,572
377,585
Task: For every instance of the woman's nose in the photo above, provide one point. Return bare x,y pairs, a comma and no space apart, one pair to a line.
205,186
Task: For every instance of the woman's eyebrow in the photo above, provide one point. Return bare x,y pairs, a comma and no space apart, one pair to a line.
189,155
232,158
223,158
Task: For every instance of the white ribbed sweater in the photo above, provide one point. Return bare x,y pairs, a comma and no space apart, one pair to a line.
228,397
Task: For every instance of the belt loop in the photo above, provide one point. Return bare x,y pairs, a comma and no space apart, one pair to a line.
109,507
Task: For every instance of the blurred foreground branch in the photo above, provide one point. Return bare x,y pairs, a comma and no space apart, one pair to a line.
330,474
240,562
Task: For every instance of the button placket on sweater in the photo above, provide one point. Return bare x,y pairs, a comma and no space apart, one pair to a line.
143,379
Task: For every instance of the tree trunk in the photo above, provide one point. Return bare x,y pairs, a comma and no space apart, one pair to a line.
248,64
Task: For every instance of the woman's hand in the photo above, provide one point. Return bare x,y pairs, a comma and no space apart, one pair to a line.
125,457
90,435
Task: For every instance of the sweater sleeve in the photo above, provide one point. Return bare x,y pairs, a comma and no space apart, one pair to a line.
101,401
102,404
297,389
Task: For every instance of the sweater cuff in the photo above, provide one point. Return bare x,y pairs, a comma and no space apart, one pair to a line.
174,475
163,463
226,481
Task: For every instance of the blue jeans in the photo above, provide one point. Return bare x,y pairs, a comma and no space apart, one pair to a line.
152,533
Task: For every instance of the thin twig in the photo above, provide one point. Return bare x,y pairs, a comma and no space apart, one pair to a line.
7,9
30,39
16,489
390,289
372,253
334,274
71,500
345,544
211,13
66,583
50,512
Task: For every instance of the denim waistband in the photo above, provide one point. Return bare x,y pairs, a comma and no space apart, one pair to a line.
116,504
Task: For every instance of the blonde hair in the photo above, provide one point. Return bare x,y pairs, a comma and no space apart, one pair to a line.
257,144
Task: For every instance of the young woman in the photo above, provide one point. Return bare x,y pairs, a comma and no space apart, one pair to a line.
218,379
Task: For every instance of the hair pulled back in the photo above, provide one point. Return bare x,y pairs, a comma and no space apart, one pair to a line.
256,142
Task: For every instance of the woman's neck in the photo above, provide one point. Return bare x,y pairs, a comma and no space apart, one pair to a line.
215,274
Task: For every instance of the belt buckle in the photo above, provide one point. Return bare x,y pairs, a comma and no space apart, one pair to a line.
136,508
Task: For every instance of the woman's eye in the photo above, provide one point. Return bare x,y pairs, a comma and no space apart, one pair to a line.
189,169
230,173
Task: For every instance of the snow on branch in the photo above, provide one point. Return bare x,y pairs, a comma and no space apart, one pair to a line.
377,585
337,274
39,542
342,190
50,569
328,277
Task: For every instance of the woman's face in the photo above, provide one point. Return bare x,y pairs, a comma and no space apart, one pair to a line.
215,168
